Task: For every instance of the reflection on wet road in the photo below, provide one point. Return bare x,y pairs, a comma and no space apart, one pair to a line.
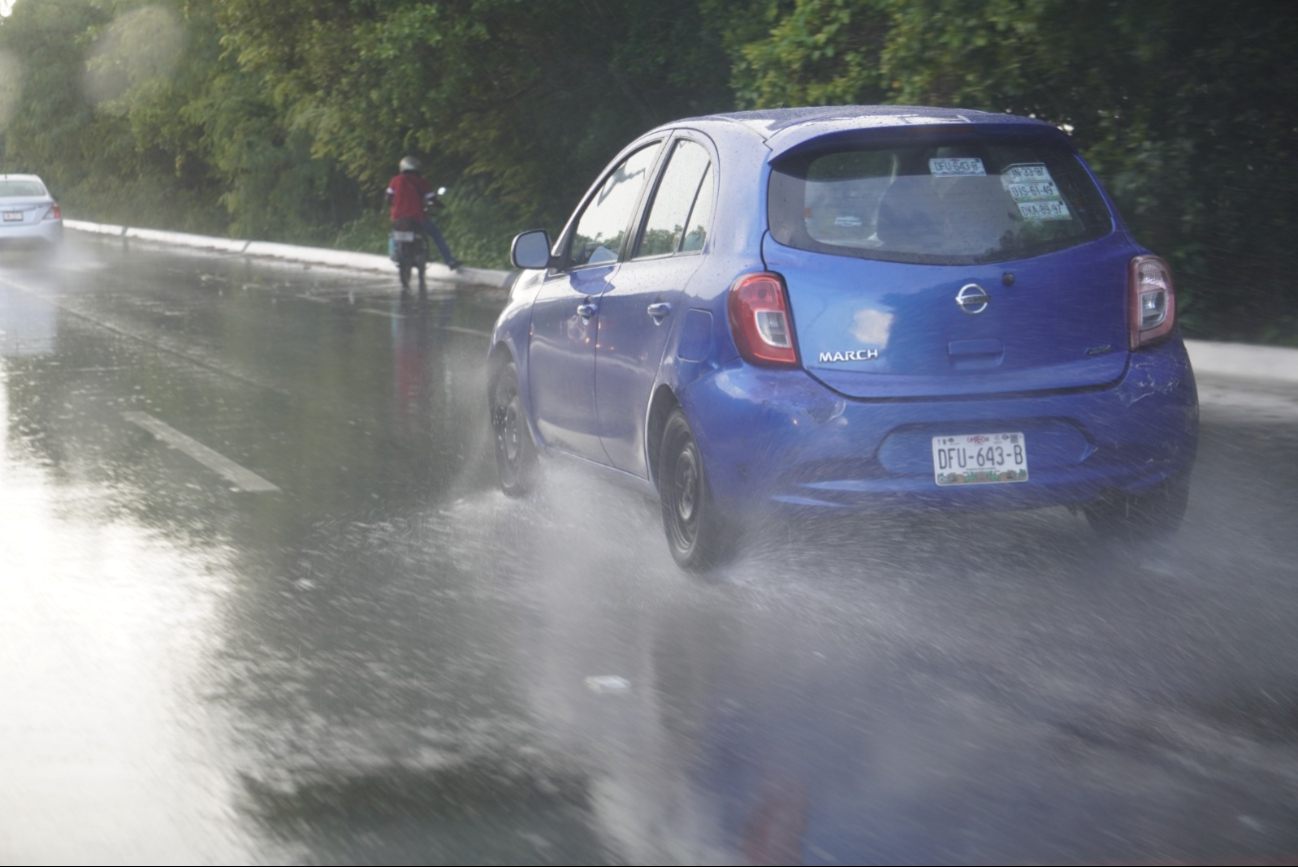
377,658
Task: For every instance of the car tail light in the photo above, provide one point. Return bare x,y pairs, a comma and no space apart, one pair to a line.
758,307
53,213
1153,300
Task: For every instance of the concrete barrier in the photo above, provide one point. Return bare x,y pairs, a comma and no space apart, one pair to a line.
348,259
321,256
1243,360
198,242
1210,358
96,228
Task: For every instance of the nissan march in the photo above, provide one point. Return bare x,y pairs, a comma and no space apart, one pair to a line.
849,308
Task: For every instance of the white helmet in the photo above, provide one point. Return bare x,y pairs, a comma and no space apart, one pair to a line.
409,164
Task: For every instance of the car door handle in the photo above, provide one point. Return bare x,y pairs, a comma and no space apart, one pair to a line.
659,311
587,310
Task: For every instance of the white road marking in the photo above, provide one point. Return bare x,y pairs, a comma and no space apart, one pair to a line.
387,313
243,479
459,330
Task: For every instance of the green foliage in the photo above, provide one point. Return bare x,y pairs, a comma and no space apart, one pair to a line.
821,52
133,113
478,226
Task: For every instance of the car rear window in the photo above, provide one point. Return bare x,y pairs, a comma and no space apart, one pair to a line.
13,189
943,200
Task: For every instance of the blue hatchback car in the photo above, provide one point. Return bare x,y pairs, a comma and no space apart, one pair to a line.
849,308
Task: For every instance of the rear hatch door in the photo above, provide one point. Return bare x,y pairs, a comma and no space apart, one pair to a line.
949,262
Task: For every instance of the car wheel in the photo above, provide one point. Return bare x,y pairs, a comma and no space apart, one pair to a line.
515,451
1150,516
696,533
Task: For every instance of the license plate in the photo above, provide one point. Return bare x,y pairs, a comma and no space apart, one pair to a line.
980,459
404,237
13,216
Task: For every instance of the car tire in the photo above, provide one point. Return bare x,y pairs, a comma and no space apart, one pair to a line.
516,462
1151,516
697,534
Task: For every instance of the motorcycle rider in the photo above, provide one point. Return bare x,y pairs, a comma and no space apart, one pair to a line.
408,196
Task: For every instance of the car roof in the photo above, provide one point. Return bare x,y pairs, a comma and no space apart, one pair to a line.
782,129
7,177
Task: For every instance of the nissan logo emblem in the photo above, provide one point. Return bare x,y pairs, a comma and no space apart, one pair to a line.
972,298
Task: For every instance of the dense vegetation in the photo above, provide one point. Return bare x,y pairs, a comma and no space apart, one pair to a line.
283,120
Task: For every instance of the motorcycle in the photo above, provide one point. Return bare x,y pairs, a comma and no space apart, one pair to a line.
408,244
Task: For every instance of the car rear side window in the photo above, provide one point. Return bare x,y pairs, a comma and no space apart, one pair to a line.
945,200
671,213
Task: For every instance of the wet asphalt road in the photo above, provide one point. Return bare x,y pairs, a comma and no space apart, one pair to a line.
261,602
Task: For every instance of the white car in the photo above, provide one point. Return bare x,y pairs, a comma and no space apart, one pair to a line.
28,213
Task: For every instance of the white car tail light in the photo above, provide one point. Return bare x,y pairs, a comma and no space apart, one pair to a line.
1152,299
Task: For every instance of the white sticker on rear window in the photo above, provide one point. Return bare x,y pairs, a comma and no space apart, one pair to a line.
1035,192
1044,192
1044,211
1026,173
952,167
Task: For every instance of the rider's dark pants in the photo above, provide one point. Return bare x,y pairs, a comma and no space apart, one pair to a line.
431,230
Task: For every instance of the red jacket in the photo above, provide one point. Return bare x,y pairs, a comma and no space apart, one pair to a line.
408,191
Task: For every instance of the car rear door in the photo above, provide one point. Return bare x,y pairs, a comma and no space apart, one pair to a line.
639,311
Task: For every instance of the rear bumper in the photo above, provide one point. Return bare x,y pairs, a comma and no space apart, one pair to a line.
30,234
779,438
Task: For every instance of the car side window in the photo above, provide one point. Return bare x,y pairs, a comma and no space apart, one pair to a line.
603,224
670,218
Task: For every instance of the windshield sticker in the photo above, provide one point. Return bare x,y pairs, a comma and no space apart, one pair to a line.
1035,192
951,167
